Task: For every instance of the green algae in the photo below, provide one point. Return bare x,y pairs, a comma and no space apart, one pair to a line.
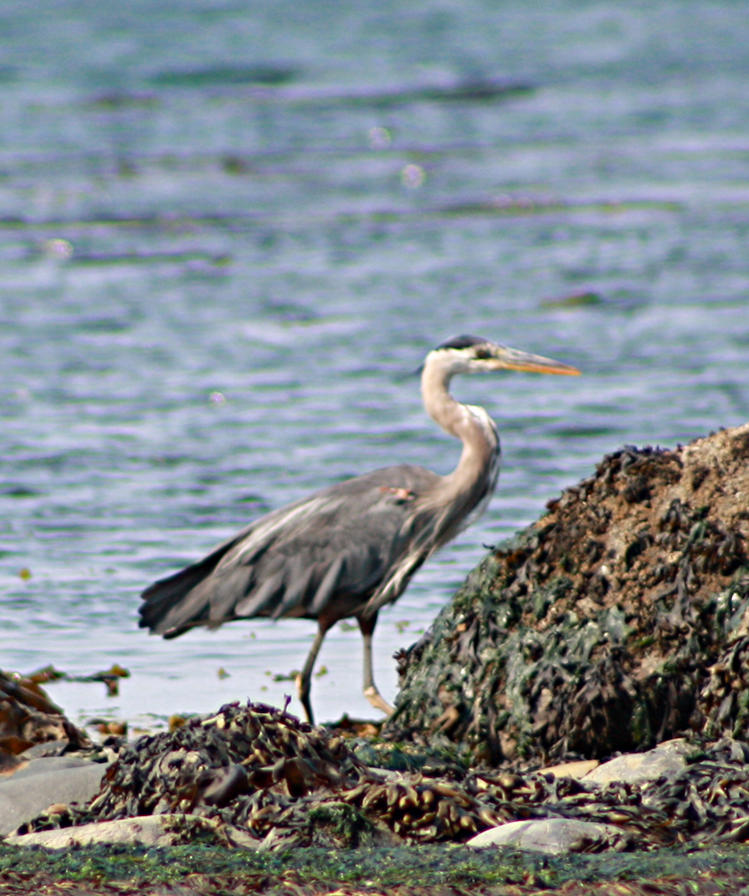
381,869
340,823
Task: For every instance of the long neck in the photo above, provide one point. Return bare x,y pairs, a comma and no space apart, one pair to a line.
473,480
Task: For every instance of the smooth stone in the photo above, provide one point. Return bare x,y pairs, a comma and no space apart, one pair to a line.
667,759
44,782
553,836
144,830
47,748
576,769
45,764
148,830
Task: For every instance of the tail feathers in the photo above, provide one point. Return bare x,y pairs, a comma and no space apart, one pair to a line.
176,603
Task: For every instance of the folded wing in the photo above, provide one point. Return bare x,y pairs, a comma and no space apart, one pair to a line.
324,556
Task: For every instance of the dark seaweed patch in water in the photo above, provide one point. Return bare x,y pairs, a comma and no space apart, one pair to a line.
266,75
618,620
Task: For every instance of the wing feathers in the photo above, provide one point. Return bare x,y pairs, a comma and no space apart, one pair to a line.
261,601
334,549
327,587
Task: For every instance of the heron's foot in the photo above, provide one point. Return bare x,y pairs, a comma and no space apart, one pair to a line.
378,701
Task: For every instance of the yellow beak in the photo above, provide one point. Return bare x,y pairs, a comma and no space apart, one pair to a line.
505,358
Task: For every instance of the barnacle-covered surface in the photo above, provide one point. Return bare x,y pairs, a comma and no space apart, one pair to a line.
264,778
620,619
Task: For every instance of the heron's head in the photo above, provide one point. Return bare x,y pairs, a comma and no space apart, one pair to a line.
472,354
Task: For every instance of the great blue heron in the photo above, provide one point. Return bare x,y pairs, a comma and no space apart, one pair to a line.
350,549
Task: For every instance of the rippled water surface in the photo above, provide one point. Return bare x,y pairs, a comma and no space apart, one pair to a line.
230,232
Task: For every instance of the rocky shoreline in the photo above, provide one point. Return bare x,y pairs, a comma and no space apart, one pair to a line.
255,795
586,692
256,777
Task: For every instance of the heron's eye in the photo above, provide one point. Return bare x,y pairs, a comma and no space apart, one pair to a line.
482,354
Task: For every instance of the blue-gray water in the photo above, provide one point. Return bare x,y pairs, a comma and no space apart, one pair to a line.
229,231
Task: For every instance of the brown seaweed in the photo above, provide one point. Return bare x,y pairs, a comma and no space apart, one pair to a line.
609,625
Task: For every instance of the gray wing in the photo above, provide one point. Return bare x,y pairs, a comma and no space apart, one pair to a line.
323,557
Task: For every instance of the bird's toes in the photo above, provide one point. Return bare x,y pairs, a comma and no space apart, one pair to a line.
378,701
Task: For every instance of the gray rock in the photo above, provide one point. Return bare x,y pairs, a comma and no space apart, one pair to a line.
146,830
42,782
553,836
667,759
44,764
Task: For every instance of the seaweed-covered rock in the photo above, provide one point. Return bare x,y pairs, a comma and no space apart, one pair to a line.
724,699
254,776
28,718
620,619
260,771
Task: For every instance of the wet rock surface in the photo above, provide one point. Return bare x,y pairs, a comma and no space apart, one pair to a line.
620,619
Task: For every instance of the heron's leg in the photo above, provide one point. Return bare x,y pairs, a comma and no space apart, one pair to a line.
366,626
302,679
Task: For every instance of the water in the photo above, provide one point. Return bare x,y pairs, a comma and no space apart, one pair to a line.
229,233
